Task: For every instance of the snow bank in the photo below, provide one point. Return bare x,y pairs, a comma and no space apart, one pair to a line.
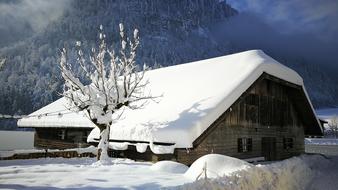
291,174
169,166
90,149
321,141
10,153
216,165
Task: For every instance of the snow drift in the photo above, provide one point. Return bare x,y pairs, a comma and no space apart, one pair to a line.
216,165
169,166
291,174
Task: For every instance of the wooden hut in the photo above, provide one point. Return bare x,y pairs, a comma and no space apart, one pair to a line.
57,127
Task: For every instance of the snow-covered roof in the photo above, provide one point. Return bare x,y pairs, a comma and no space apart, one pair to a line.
194,95
56,114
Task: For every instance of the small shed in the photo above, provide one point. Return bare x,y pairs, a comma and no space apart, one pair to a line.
56,127
243,105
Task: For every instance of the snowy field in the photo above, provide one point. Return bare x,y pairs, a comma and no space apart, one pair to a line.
305,172
11,140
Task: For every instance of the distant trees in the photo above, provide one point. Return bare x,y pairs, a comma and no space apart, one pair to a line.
333,125
114,81
2,63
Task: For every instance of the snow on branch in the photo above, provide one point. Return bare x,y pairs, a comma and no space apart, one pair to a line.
116,81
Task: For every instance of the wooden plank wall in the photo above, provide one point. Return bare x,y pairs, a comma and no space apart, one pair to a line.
50,138
264,111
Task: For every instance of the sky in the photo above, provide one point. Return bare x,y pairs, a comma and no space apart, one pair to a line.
302,20
319,18
23,18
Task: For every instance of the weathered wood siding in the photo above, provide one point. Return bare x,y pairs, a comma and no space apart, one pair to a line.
266,110
54,138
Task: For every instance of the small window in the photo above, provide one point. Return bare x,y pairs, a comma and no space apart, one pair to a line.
288,143
244,144
62,134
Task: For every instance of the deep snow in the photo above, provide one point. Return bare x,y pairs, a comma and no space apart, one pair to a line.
305,172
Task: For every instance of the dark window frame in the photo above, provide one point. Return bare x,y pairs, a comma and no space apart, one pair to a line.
244,144
288,143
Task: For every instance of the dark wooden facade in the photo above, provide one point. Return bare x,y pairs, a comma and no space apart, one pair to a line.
61,138
269,120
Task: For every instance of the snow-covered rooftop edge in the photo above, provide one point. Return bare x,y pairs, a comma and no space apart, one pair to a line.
194,95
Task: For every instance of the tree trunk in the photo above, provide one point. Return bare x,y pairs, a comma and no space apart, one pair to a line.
102,153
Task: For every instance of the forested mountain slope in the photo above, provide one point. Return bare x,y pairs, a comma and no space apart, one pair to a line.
172,32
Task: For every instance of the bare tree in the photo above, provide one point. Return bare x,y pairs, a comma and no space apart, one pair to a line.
115,82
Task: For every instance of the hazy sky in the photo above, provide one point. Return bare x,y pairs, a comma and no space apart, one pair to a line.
37,13
319,18
22,18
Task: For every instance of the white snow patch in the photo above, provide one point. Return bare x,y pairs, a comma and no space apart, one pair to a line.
118,146
161,149
321,141
170,167
141,147
216,165
56,114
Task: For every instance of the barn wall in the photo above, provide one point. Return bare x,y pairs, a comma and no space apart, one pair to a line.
55,138
265,110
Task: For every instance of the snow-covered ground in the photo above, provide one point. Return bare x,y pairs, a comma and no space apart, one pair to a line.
321,141
83,173
304,172
9,153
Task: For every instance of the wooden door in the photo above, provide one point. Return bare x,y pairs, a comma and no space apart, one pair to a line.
269,148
